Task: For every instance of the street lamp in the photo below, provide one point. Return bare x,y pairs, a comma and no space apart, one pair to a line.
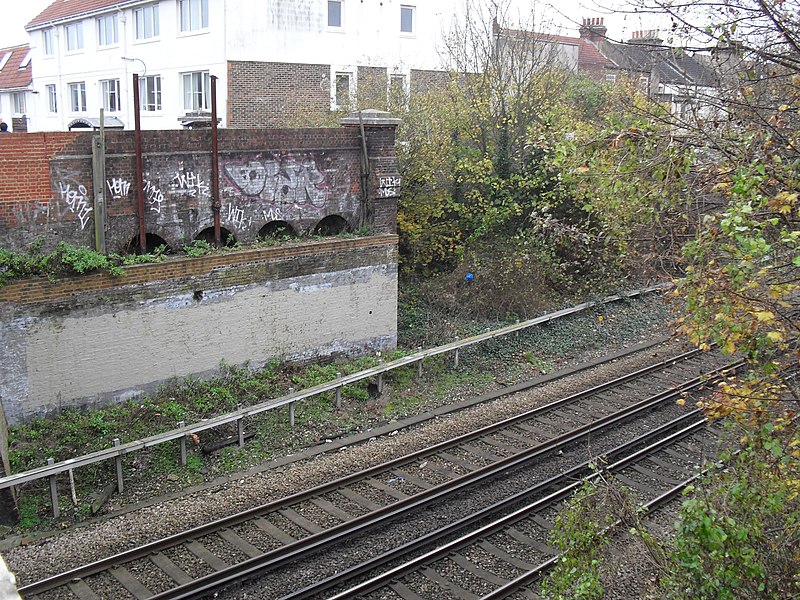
144,66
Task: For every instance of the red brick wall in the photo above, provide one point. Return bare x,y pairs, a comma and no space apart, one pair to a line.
300,176
25,167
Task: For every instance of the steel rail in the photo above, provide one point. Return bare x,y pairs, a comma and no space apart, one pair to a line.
570,475
249,411
315,542
518,514
230,521
537,572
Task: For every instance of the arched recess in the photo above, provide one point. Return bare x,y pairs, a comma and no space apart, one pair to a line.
331,225
153,242
207,235
276,230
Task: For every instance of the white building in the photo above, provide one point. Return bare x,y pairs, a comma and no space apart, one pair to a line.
15,86
272,59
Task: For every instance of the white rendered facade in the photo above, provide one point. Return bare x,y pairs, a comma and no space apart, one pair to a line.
84,62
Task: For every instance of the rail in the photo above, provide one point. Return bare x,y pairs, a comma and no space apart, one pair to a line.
52,469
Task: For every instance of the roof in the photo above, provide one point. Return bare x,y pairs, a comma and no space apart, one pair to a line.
671,65
589,56
65,10
12,75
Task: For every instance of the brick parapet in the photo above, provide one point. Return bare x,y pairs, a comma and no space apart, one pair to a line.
42,290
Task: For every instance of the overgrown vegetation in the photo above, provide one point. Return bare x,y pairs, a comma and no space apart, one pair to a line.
74,432
738,535
65,260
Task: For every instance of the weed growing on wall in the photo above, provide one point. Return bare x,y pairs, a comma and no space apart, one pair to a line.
67,260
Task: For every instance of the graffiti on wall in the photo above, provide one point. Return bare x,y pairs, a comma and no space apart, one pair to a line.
389,187
72,196
118,188
190,183
285,186
153,196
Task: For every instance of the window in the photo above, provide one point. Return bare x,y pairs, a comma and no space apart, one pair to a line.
398,91
110,90
25,62
611,78
194,14
52,98
74,37
150,92
19,103
334,13
146,22
406,19
4,60
342,91
644,84
107,31
77,96
48,43
196,90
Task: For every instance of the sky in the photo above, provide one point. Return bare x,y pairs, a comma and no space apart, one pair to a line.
566,14
15,14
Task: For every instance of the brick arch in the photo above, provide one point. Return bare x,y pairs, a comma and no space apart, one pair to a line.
332,225
152,240
276,229
207,235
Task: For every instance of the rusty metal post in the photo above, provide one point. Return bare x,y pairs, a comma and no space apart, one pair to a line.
139,167
215,204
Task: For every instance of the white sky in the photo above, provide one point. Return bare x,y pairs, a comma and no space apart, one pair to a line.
15,14
566,14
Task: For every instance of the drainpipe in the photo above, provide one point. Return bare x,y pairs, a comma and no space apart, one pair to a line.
139,168
365,217
215,204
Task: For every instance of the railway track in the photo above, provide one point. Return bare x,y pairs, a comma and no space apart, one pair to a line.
509,554
276,537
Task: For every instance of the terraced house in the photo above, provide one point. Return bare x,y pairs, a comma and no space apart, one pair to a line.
16,86
276,63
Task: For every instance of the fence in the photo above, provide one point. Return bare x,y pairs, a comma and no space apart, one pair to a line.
52,469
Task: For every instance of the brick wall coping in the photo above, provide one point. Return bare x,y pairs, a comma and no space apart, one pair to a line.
41,289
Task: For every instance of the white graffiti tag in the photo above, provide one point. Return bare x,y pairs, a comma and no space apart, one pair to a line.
154,196
75,199
118,188
237,217
273,214
192,183
389,187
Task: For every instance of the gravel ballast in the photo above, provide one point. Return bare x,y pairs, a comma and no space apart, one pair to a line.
142,515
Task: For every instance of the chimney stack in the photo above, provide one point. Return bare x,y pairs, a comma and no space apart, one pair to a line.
593,29
647,37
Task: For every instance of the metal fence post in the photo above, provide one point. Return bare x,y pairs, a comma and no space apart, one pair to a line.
183,444
455,360
118,460
291,409
54,492
339,392
240,427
